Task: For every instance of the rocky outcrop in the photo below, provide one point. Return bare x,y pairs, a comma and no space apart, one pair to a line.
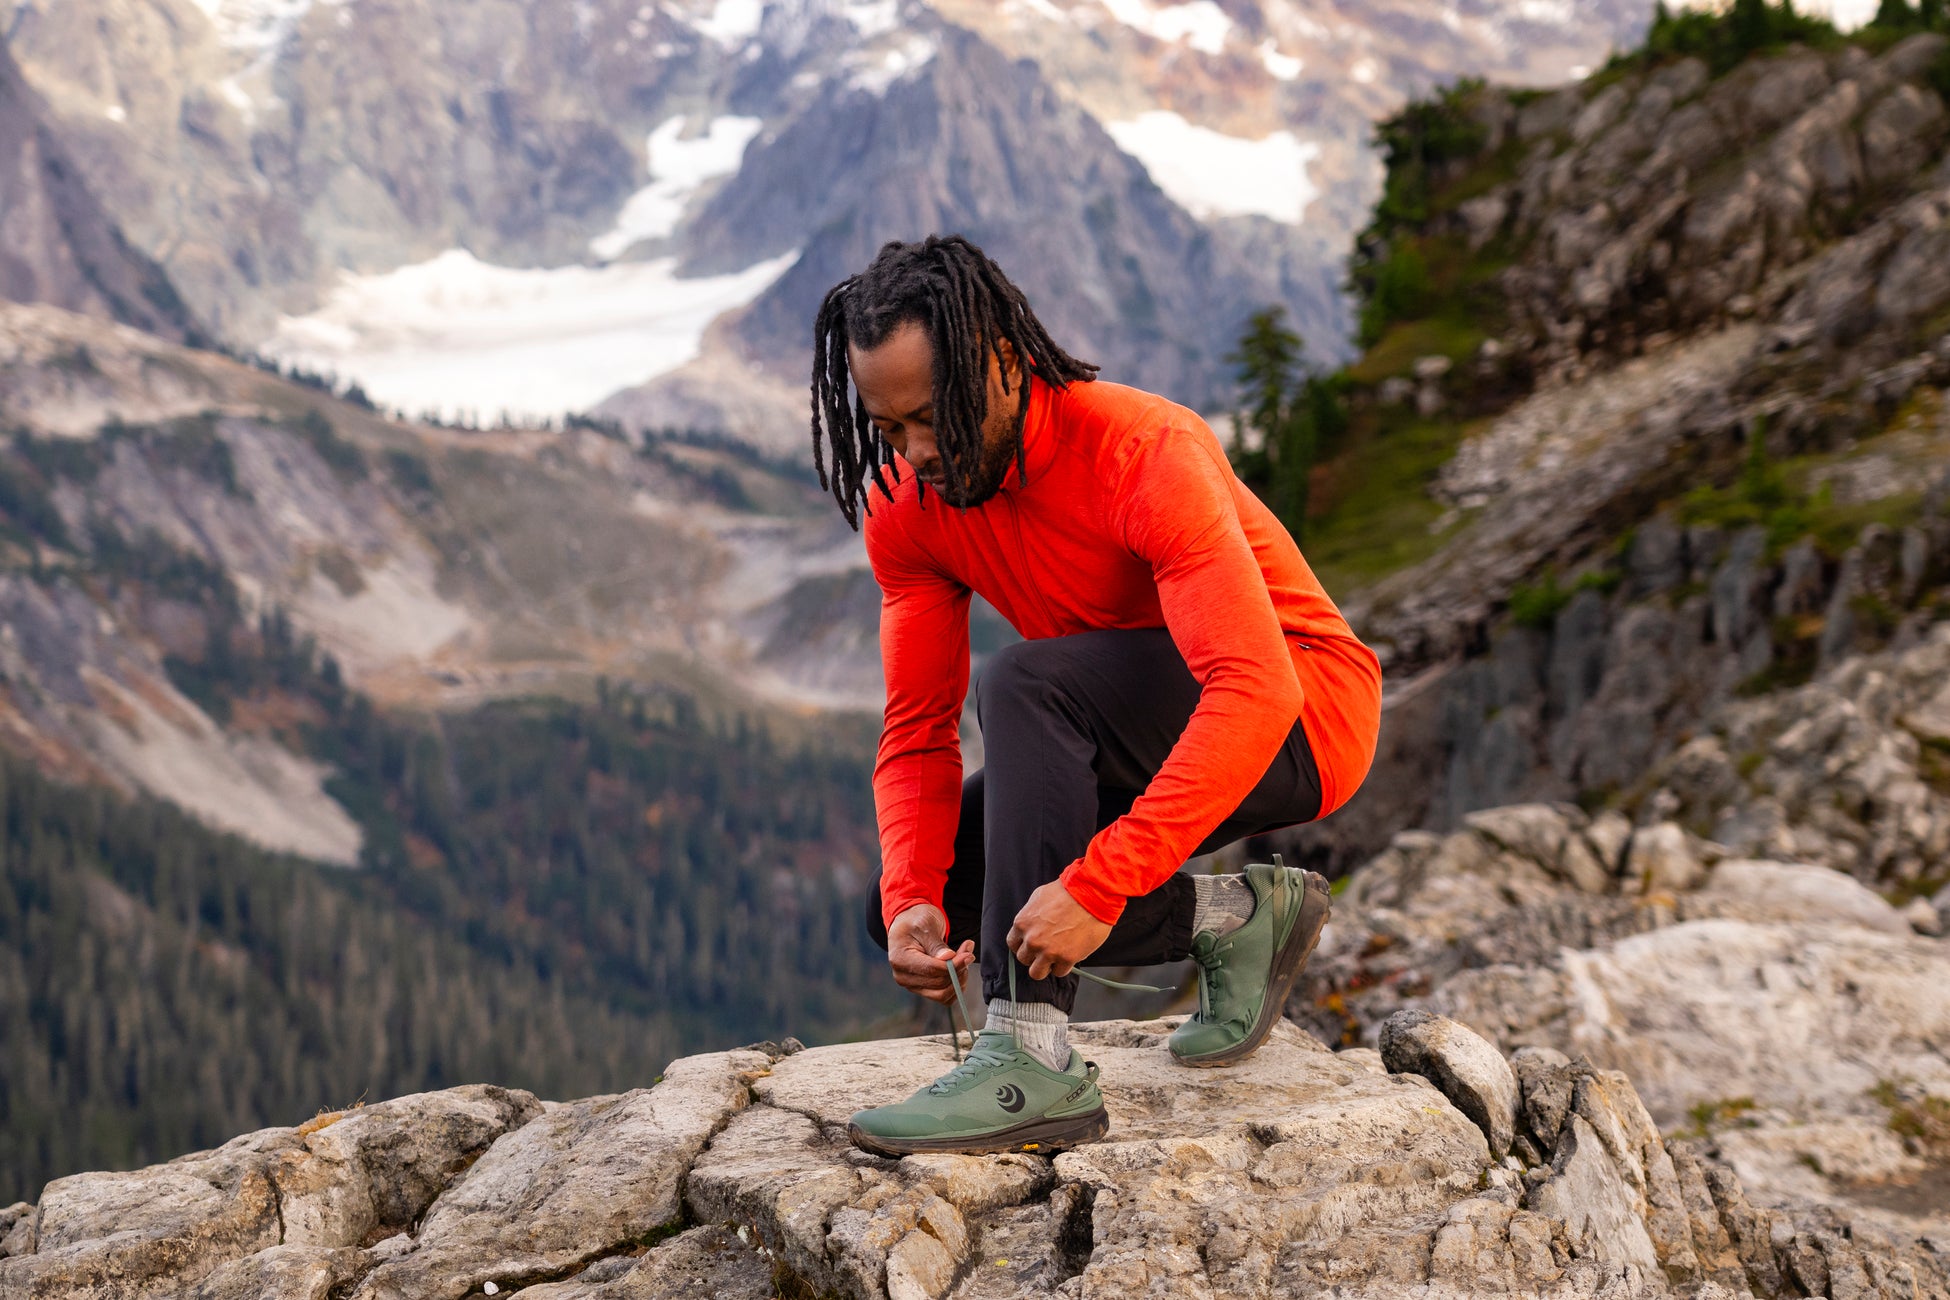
1703,272
1301,1170
1783,1014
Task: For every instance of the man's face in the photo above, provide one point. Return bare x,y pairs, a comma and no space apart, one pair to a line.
896,384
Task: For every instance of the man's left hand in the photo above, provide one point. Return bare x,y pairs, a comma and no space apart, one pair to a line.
1052,932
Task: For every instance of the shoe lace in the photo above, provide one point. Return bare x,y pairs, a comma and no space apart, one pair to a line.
993,1053
1212,975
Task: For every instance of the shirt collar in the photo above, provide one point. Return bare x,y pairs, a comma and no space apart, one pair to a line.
1038,435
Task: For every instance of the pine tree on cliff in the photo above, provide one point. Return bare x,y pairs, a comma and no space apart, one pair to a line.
1895,13
1284,407
1752,25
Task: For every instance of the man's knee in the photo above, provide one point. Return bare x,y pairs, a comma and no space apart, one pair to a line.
1012,678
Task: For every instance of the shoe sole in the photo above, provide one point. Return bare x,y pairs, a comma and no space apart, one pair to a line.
1043,1136
1316,901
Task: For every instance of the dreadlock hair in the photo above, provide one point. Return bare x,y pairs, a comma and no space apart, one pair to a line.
968,306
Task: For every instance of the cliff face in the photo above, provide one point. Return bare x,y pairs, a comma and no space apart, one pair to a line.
56,243
1701,452
1373,1173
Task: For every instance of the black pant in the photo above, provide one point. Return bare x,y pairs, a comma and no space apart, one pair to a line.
1074,728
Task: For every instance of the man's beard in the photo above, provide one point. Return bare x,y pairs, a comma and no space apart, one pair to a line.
986,480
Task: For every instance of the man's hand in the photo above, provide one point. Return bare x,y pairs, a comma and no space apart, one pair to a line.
917,949
1052,932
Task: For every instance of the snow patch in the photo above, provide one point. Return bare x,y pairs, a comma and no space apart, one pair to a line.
1283,66
1214,175
255,25
913,54
1202,24
678,167
871,18
732,22
456,335
1558,13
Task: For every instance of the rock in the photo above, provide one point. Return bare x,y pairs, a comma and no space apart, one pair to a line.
1610,838
584,1180
1923,916
379,1167
289,1272
1930,719
1800,1022
1469,1071
1547,1084
1544,834
1297,1171
152,1231
1587,1193
1663,858
1782,891
17,1230
708,1263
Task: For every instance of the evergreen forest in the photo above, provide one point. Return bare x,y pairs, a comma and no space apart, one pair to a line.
554,897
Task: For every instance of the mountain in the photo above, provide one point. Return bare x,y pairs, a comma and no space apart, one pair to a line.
56,243
532,207
1653,416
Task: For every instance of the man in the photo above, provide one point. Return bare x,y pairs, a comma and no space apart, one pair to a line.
1184,682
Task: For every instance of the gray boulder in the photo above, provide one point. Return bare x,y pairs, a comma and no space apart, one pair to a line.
1460,1062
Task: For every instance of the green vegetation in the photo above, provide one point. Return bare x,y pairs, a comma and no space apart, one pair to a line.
1376,515
164,988
27,510
1293,413
1723,39
190,444
1707,1116
343,458
1922,1118
410,473
1537,605
552,896
1766,494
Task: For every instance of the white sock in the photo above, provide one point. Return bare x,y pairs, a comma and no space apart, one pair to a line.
1224,904
1043,1031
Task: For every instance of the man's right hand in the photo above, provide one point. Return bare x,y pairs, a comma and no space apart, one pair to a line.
917,949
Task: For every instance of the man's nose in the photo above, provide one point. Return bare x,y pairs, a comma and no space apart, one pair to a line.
922,453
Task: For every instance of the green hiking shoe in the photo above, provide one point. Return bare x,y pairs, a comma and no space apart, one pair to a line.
999,1099
1243,979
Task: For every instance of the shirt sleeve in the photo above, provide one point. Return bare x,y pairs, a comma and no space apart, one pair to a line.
1175,509
917,769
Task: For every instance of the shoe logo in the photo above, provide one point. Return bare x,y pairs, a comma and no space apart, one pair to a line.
1009,1097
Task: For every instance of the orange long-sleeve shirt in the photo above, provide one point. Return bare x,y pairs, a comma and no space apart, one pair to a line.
1129,516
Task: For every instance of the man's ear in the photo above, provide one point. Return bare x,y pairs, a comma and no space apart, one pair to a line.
1010,364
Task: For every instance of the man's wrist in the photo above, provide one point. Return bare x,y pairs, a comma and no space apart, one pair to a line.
893,909
1104,904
